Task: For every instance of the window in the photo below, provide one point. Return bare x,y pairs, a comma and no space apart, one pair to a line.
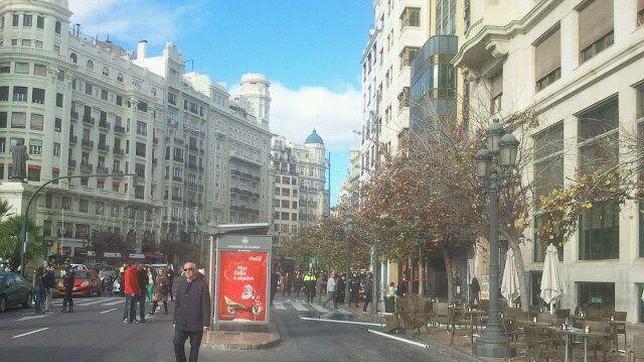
36,122
599,232
56,152
3,119
3,148
18,119
90,64
142,106
5,67
104,94
141,128
285,216
119,100
496,92
596,294
548,59
548,160
74,58
119,77
106,71
598,137
15,19
33,173
35,148
58,28
21,68
58,124
38,96
26,43
59,100
88,89
61,75
403,98
410,17
285,204
40,22
26,19
83,206
38,44
595,28
4,93
40,69
172,98
140,149
407,56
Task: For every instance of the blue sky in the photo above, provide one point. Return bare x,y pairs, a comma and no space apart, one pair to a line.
309,49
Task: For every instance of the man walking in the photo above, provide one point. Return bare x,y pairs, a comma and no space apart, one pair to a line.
191,312
130,289
142,275
39,289
49,282
68,284
330,291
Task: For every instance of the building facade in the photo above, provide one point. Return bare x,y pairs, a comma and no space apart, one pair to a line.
88,107
300,198
578,65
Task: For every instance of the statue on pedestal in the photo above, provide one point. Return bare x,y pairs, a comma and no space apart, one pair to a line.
20,157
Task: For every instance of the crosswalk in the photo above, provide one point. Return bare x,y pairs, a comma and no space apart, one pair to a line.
298,306
83,302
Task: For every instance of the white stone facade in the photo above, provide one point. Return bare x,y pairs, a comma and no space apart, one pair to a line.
84,106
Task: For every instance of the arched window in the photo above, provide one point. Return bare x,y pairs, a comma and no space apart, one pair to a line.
57,27
119,77
106,71
74,58
90,64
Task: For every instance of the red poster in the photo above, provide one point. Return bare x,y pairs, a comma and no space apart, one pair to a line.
242,286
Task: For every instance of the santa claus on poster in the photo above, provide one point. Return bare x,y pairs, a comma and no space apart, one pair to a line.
242,286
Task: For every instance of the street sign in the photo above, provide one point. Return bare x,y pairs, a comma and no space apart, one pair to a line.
111,255
136,256
242,293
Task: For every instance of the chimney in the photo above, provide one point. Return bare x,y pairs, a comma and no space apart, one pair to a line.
142,49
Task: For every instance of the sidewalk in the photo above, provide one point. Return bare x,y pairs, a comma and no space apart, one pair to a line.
231,340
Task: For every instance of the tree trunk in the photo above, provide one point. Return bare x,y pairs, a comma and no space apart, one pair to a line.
513,243
449,269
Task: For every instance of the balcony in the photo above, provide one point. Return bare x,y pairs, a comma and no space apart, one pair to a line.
104,124
86,167
71,163
119,151
116,171
177,158
193,147
119,129
89,120
87,143
103,147
73,139
102,170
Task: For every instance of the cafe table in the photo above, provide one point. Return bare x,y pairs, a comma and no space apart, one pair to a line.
570,332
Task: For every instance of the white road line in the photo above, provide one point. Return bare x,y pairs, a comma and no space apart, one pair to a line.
299,307
108,310
319,308
113,303
82,304
39,316
279,306
341,322
418,344
32,332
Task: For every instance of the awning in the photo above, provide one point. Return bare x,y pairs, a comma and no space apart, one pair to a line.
116,183
33,167
55,169
101,180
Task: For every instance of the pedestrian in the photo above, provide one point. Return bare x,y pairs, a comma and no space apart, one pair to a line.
161,290
191,312
299,280
171,279
309,286
288,284
330,292
130,289
142,274
475,289
275,277
339,289
68,284
39,289
49,283
368,291
319,286
150,289
402,287
354,286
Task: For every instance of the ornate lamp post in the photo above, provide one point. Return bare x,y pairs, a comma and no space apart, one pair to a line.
491,162
348,229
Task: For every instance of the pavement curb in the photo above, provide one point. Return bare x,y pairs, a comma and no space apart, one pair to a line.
246,341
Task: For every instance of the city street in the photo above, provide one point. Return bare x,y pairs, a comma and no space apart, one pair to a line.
94,332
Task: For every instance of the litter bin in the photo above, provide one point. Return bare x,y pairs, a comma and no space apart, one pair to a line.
389,304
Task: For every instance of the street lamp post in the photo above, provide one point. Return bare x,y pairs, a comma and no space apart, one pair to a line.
348,229
23,230
501,146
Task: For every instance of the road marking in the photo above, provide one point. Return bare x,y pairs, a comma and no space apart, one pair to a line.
342,322
39,316
113,303
299,307
108,310
319,308
422,345
32,332
279,306
83,304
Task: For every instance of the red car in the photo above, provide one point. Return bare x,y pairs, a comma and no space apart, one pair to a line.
86,283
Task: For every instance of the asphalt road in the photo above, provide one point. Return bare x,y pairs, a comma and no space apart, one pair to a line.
94,332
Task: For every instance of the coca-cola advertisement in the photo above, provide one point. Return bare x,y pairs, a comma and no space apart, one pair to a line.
242,286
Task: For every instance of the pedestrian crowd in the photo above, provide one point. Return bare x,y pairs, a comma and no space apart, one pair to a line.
141,285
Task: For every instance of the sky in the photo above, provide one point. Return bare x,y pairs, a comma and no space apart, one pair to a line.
309,49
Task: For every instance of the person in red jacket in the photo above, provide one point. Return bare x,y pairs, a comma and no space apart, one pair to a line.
131,289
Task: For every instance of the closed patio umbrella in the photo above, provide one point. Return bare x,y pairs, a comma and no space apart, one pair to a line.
510,283
552,287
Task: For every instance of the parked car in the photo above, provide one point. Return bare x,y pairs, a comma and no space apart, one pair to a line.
86,284
78,267
14,291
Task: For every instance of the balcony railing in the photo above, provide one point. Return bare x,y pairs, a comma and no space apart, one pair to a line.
119,129
87,143
177,158
102,170
103,124
119,151
89,120
86,167
71,163
103,147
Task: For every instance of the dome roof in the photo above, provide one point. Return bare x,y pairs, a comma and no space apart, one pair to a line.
314,138
254,78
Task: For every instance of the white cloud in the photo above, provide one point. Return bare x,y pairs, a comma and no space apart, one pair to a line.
296,112
133,20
